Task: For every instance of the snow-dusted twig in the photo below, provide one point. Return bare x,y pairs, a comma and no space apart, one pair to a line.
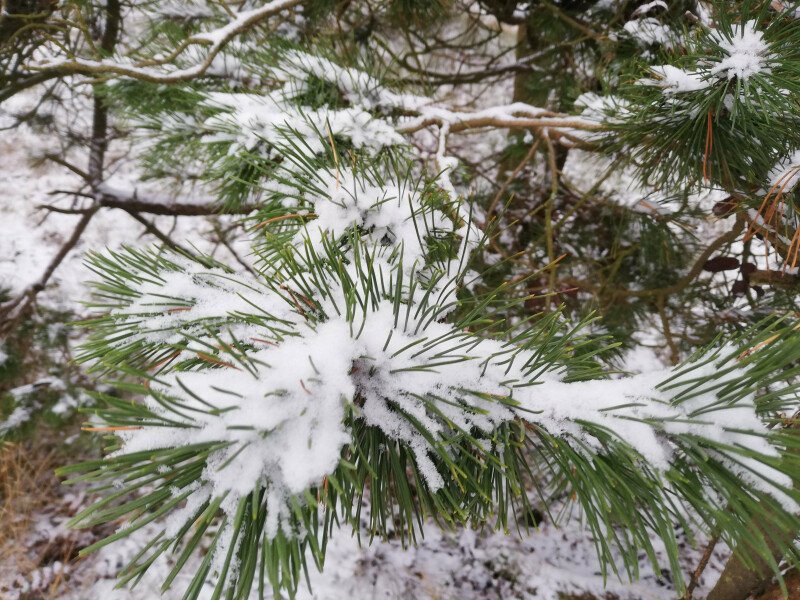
216,40
512,116
14,309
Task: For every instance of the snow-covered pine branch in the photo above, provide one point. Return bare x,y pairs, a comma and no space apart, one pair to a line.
374,350
284,396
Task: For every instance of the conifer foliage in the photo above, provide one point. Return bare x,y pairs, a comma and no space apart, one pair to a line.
401,340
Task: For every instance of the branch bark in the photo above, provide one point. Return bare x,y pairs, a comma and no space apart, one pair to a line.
775,278
108,197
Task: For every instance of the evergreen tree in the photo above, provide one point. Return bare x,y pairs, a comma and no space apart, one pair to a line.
423,323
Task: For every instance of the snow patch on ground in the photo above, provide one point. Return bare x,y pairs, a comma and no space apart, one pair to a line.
541,564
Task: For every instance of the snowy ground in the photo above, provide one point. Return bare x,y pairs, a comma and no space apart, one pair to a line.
548,563
31,235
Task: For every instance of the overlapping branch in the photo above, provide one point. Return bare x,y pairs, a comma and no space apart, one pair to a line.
512,116
147,70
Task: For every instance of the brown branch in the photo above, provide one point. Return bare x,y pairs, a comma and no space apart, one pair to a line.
242,23
701,566
112,27
98,143
68,165
775,278
674,352
132,202
105,196
155,231
463,122
574,23
548,221
108,198
511,178
435,78
223,238
697,267
15,309
21,85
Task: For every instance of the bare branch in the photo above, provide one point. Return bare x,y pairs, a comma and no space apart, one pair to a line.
775,278
155,231
131,200
216,40
513,116
14,309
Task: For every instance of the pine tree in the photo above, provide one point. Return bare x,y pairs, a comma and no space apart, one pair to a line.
447,357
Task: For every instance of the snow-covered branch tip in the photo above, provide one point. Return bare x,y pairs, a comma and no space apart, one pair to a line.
353,340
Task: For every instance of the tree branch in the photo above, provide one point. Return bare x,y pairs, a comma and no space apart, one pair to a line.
697,267
775,278
109,197
14,309
216,39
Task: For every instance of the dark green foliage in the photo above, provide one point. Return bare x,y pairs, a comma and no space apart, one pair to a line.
701,133
35,377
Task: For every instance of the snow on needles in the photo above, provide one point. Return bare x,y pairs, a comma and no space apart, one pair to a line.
340,331
179,301
744,53
284,425
389,213
248,119
747,53
675,80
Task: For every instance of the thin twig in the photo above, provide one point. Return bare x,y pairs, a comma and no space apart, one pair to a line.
155,231
701,566
13,310
548,218
674,353
511,178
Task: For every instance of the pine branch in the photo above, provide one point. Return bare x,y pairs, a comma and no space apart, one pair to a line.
364,358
